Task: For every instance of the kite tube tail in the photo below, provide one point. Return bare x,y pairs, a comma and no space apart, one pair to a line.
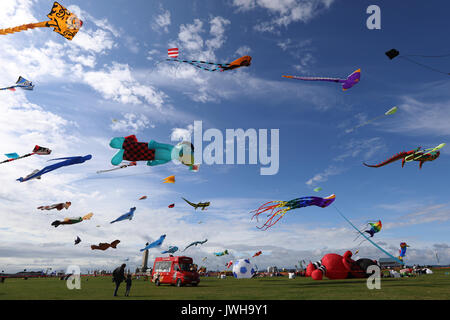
377,246
23,27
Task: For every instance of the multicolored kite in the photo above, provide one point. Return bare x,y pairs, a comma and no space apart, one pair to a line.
219,254
68,161
57,206
412,155
375,227
244,61
402,251
37,150
347,83
56,223
62,21
279,208
121,167
20,83
202,205
153,152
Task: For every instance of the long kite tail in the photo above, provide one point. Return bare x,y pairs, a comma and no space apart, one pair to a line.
377,246
315,78
199,64
271,206
24,27
396,157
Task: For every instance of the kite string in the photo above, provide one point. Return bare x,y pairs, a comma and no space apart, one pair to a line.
424,65
377,246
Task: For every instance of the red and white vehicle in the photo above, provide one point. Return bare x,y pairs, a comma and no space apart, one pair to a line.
177,271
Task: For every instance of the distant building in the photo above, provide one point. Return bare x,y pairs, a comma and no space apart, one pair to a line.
388,263
144,265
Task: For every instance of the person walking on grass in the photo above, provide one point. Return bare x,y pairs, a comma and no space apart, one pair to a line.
118,277
128,282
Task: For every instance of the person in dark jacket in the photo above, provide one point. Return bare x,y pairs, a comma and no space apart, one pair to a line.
118,276
128,281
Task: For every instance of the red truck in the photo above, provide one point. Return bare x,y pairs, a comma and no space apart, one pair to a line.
177,271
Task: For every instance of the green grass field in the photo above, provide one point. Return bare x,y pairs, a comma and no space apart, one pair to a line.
435,286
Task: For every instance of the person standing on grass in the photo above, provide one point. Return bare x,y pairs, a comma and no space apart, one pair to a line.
128,282
118,276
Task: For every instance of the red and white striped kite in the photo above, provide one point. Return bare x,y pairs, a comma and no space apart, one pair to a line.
173,52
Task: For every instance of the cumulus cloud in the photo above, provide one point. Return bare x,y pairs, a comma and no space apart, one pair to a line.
162,21
284,12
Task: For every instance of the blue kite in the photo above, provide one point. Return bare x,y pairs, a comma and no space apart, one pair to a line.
67,162
155,244
129,215
172,249
20,83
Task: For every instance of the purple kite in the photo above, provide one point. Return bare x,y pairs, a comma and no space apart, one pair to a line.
346,83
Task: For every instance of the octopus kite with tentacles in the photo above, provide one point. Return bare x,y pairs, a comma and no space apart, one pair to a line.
279,208
412,155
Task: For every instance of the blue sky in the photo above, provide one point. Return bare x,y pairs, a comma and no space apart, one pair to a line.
110,71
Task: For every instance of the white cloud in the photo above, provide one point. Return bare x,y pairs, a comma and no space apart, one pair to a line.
284,12
244,50
131,122
162,21
182,134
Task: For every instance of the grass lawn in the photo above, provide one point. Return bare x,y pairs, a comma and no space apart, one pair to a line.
435,286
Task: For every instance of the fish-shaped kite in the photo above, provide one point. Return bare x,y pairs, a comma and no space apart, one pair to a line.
129,215
20,83
257,254
61,20
56,223
347,83
104,245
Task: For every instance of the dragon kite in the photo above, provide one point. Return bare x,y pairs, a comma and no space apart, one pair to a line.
202,205
412,155
61,20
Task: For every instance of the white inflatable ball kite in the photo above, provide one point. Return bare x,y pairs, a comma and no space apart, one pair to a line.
243,269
